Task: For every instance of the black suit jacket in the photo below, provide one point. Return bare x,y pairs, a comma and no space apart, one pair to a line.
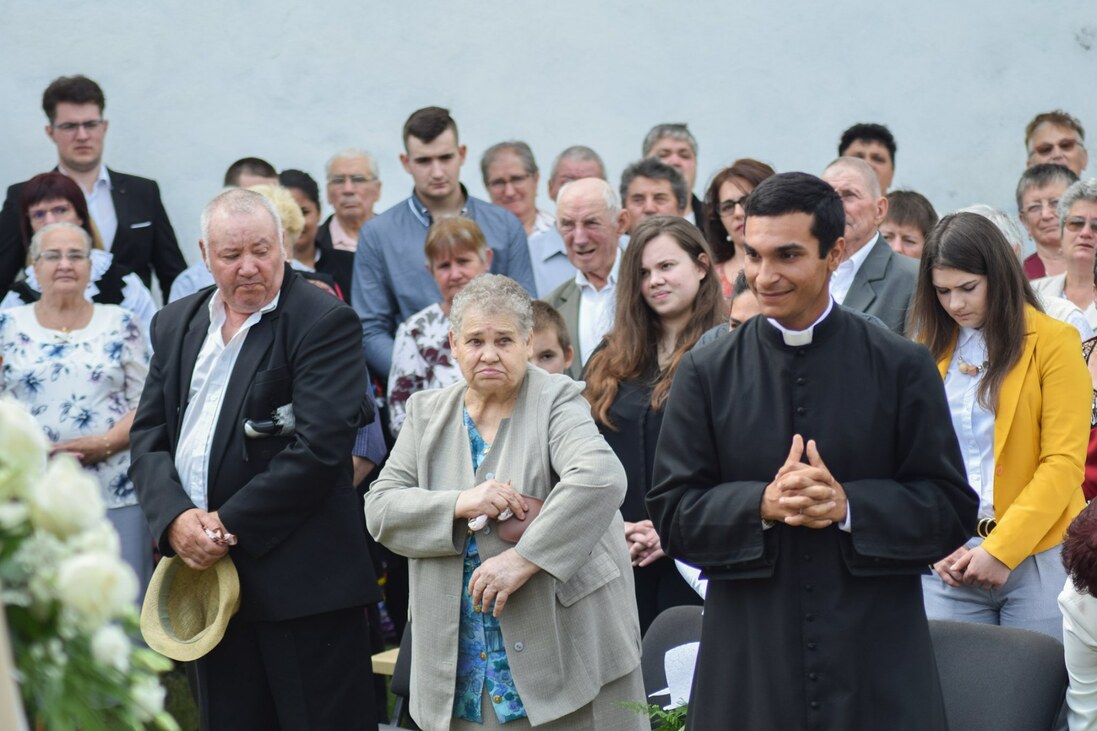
337,263
145,240
289,500
698,209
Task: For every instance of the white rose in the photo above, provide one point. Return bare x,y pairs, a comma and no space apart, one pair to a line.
66,501
98,538
110,646
95,587
23,450
12,515
148,696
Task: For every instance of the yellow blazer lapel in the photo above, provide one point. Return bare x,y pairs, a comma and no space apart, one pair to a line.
1010,393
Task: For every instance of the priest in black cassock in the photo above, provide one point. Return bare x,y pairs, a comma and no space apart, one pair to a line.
807,463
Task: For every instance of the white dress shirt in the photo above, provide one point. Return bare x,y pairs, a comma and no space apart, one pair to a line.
842,279
596,309
101,206
212,369
974,425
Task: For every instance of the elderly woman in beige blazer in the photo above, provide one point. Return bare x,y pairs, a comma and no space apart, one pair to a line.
538,634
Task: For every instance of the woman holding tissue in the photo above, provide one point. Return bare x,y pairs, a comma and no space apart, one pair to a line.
543,630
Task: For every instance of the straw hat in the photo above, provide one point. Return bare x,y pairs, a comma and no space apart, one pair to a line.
186,611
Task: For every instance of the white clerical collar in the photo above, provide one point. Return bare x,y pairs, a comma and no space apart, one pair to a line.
797,338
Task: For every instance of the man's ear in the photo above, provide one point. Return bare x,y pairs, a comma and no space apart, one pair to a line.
834,256
462,151
624,222
881,209
406,162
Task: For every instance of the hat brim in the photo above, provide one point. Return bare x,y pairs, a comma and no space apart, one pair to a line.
178,594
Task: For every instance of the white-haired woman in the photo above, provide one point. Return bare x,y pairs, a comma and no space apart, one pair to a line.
541,632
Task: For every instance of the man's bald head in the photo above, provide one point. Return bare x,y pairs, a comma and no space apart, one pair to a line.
857,166
857,185
589,219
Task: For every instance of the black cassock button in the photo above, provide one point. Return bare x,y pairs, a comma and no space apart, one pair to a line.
801,381
809,587
807,558
815,705
800,411
813,676
811,645
809,617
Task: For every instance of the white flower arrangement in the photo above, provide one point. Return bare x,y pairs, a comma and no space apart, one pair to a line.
68,596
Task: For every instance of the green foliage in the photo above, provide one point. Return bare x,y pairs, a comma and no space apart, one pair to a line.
672,720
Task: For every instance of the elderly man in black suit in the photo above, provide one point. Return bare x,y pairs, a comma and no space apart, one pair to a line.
125,208
245,428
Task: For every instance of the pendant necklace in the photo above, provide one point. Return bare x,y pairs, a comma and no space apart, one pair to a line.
970,369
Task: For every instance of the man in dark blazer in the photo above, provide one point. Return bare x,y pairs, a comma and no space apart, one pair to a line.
872,278
244,427
126,209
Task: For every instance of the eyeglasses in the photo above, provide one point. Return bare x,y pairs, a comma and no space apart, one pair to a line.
727,207
499,184
1076,223
1067,146
1034,209
92,125
39,214
53,256
354,179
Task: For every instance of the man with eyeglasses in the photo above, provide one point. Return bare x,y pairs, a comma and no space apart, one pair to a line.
390,281
1059,138
354,186
126,209
1038,193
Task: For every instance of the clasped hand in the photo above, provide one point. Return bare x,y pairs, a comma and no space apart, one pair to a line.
190,541
805,495
490,498
972,567
644,546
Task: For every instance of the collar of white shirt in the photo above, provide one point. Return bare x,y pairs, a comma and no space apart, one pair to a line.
842,279
797,338
611,280
218,315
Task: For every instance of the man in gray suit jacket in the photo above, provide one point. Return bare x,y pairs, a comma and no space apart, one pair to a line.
872,278
590,220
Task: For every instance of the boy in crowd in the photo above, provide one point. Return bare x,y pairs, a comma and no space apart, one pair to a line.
551,348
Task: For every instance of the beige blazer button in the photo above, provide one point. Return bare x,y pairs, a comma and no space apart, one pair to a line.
518,647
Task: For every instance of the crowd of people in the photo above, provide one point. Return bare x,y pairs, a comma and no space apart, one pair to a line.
784,399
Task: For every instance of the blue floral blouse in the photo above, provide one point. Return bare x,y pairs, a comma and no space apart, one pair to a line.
481,653
80,383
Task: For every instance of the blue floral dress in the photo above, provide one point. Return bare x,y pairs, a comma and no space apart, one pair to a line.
481,653
80,383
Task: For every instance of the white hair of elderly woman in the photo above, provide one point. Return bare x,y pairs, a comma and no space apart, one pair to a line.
493,293
36,240
1005,224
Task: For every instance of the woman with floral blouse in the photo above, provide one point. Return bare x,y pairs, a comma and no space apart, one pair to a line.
80,367
421,355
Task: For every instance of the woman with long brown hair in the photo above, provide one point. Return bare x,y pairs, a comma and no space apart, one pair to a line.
667,297
1019,395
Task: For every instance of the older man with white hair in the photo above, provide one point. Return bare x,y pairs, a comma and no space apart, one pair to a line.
241,447
590,220
354,187
871,278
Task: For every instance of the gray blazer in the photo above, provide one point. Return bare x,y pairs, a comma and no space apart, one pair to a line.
884,286
571,628
565,299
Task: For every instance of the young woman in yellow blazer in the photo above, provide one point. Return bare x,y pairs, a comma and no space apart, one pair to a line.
1020,394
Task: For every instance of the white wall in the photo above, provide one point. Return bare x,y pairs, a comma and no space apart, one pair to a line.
192,86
